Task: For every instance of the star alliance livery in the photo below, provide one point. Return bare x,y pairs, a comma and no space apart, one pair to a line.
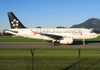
57,35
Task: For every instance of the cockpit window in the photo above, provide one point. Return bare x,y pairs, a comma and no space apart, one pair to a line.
91,32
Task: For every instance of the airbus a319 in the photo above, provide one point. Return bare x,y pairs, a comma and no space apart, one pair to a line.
57,35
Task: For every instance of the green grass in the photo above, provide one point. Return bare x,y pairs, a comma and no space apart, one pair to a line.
49,59
21,39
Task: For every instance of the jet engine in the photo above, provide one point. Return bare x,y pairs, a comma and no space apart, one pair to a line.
66,40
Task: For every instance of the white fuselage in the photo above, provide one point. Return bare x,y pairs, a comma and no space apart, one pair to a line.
57,35
74,33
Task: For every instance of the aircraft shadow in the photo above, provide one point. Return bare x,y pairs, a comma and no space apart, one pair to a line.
86,42
78,42
70,66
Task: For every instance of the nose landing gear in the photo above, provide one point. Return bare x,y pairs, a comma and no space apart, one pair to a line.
83,41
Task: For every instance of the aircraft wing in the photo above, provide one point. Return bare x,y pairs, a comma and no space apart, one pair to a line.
51,36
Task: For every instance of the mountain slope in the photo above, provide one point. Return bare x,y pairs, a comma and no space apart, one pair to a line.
90,23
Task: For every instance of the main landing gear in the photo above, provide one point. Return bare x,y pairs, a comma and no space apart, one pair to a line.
55,42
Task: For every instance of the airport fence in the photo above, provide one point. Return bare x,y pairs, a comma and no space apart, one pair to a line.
49,59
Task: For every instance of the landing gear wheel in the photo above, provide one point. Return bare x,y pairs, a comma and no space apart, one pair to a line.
53,43
83,42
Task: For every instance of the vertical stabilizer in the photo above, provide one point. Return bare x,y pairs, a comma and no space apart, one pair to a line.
14,21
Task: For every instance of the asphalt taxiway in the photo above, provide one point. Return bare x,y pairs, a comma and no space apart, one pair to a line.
45,45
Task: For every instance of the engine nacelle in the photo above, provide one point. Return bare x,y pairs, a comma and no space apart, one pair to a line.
67,40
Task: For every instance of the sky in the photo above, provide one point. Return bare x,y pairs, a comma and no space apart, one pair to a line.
49,13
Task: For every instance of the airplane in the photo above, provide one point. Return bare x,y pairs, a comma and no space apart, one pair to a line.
57,35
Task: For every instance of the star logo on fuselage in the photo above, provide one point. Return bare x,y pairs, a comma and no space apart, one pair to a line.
14,23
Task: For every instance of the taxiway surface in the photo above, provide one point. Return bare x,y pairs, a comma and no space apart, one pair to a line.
44,45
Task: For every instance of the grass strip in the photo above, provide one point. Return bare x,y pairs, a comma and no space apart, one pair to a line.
49,59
